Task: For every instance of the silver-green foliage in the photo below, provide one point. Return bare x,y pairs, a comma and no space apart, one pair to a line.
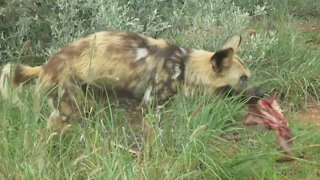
48,25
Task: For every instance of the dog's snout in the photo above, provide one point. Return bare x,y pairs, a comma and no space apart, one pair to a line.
259,93
254,95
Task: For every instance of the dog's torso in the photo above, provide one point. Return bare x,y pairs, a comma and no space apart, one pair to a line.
120,61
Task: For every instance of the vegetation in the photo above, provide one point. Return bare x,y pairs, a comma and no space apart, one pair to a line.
192,138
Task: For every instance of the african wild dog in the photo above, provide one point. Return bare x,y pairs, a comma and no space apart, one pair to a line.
146,68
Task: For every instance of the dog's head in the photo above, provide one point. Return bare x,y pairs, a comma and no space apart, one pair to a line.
232,75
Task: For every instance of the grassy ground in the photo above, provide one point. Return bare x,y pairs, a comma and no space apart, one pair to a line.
200,138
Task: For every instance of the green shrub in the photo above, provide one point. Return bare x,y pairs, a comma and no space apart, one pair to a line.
40,28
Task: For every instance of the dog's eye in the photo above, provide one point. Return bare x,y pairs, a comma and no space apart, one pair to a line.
244,81
244,78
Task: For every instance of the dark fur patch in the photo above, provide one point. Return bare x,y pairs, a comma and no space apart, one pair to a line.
253,95
72,51
133,38
172,57
54,67
170,54
57,62
250,96
163,52
19,77
219,58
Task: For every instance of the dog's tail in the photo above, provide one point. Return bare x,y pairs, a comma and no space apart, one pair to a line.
23,73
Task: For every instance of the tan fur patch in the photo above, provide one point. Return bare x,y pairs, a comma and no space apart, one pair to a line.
24,73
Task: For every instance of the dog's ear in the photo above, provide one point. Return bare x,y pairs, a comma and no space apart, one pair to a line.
222,59
232,42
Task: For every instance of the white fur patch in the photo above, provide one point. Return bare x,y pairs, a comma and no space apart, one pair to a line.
173,57
141,53
61,91
177,71
64,118
183,51
50,104
147,98
4,80
7,91
53,116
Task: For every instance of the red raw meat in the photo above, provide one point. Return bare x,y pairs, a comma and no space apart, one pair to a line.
267,112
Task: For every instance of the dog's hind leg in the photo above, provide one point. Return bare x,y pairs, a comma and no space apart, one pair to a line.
66,101
69,106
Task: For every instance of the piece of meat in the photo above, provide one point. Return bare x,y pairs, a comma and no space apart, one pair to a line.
268,113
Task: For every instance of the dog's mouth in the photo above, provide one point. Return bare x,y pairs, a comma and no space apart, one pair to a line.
249,96
267,111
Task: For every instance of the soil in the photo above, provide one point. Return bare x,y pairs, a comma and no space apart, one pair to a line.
307,27
310,113
311,28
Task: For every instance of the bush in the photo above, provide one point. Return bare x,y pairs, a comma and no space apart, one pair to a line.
39,28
